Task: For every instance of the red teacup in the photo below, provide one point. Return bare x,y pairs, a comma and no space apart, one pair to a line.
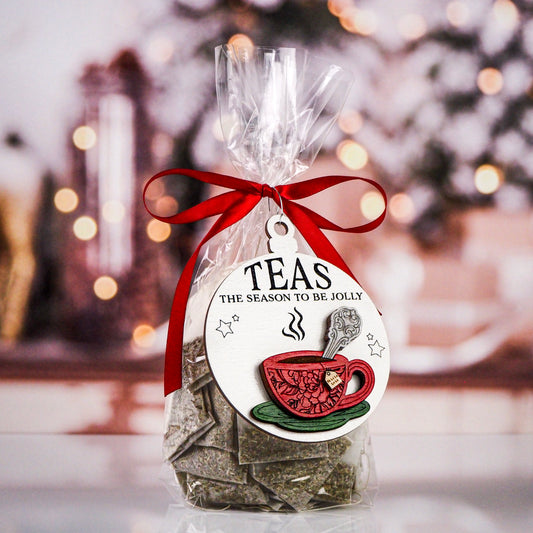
297,382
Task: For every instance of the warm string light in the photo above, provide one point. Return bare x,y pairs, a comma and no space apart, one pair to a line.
412,26
505,13
143,336
371,205
242,42
457,13
352,155
105,288
490,81
402,208
350,122
166,206
158,231
361,21
84,137
488,179
85,228
162,145
160,49
66,200
338,7
156,190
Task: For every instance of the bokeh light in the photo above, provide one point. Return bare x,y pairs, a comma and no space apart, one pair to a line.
156,190
402,208
160,49
490,81
242,42
457,13
362,21
166,206
350,121
488,179
162,145
113,211
144,336
506,13
352,155
372,205
85,228
158,231
66,200
412,26
105,288
338,7
84,137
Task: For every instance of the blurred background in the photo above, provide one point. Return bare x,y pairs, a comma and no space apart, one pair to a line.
97,96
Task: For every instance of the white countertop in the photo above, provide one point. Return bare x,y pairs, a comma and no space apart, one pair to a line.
433,483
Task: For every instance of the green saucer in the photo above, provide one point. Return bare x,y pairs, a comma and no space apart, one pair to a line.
270,412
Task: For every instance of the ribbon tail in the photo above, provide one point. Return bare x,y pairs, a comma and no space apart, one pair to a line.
174,350
173,361
315,238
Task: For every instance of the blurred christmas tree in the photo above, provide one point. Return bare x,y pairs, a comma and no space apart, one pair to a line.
441,106
459,128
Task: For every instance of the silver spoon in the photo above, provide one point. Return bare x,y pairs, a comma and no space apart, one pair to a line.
344,327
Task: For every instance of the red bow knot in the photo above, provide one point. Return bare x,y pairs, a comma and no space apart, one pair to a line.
231,207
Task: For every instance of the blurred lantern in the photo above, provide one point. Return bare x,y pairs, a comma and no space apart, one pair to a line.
110,276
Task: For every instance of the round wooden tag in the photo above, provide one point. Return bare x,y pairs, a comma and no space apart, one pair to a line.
296,346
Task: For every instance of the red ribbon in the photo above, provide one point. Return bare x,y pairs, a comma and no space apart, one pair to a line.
234,205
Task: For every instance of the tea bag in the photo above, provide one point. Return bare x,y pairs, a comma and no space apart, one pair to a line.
297,481
195,369
222,434
211,463
338,486
208,492
256,446
188,418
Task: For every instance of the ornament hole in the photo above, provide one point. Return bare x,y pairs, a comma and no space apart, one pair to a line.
355,383
281,228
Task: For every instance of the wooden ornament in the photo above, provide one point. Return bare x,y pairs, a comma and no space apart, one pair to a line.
273,333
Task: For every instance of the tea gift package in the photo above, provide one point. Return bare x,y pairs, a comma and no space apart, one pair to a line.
276,356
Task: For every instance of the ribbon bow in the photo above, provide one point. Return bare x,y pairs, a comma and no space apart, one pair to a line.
234,205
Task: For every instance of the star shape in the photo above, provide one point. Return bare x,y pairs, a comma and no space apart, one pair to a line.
370,337
224,328
235,318
376,348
